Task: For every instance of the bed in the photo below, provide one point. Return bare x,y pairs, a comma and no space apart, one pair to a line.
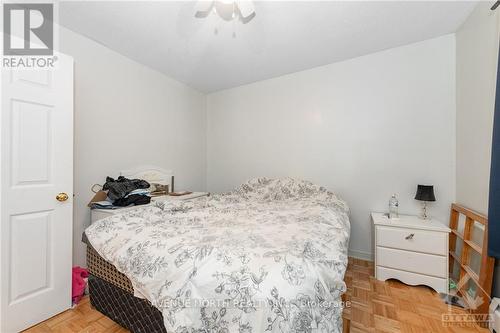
269,256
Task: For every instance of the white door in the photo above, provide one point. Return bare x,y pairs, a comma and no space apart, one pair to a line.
36,144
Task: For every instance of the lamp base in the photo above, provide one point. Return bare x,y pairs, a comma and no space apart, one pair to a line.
424,215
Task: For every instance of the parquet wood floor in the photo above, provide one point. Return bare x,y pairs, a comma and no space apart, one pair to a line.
376,306
392,306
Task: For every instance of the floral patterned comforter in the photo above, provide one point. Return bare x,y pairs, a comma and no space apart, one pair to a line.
268,256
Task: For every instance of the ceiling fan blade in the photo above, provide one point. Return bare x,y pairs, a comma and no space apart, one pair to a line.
246,8
203,7
247,19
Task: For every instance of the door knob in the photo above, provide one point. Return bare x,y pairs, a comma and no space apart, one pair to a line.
62,197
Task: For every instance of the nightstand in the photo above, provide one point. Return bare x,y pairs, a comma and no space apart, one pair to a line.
412,250
97,214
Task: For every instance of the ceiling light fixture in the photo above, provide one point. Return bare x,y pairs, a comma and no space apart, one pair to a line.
227,10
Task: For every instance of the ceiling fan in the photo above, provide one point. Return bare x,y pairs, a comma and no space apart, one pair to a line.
228,10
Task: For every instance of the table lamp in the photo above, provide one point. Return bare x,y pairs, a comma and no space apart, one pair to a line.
425,193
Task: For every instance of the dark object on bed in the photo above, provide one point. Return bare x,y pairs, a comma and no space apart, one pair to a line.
133,199
122,186
134,314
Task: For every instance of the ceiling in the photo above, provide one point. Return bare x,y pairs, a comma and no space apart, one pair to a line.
285,36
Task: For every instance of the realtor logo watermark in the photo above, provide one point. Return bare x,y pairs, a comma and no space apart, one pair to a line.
28,35
472,303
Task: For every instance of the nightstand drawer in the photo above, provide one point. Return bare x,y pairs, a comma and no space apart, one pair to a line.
432,242
427,264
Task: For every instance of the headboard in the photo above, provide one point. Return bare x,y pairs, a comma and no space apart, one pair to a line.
151,174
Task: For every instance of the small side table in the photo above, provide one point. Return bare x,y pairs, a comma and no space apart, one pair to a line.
412,250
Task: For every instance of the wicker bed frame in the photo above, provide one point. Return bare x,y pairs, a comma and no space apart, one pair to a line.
112,294
135,314
103,270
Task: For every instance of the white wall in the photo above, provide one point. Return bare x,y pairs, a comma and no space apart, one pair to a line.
128,115
365,128
477,56
477,50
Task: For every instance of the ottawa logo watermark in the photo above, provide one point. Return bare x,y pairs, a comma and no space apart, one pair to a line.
28,41
471,306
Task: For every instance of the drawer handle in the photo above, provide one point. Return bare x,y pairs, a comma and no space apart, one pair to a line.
410,236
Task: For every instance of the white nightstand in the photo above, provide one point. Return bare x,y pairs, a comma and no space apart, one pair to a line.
97,214
411,250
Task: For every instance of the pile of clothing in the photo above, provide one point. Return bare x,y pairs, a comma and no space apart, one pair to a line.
124,192
79,283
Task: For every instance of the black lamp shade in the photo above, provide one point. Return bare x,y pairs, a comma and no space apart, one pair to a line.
425,193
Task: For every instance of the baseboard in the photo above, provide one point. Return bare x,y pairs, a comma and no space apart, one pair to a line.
361,255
